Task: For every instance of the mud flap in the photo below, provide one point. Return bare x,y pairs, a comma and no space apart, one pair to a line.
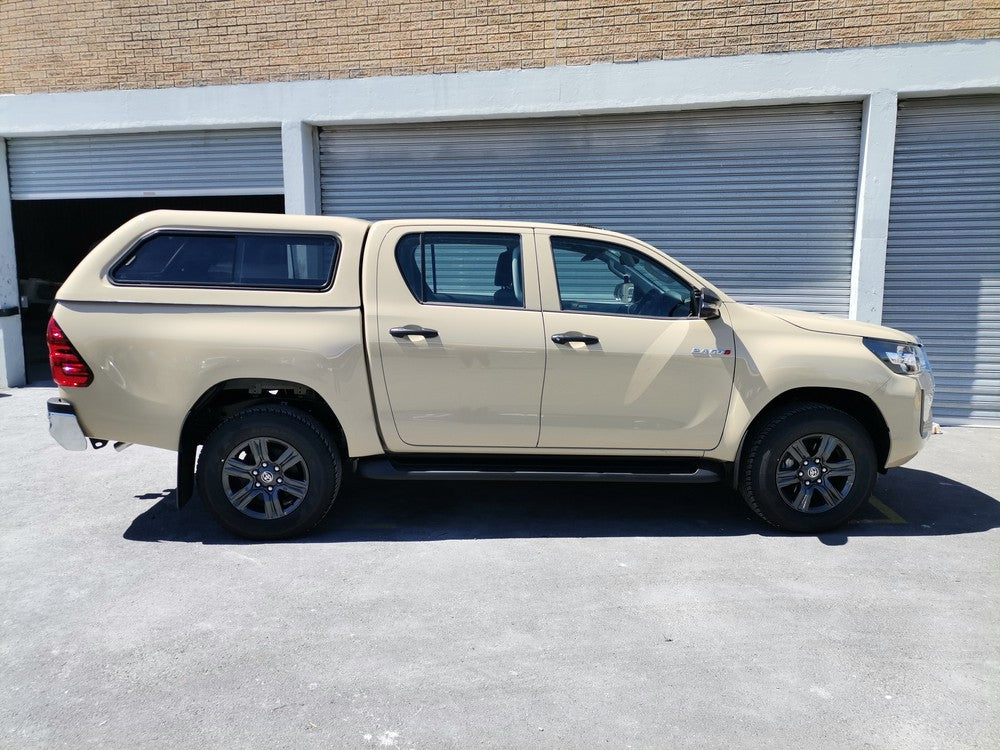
185,473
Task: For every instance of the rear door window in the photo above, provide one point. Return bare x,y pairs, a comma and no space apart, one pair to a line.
242,260
463,268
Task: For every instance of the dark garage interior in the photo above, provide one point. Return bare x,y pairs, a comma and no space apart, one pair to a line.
52,236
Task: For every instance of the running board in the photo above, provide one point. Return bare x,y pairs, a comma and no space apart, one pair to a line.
471,469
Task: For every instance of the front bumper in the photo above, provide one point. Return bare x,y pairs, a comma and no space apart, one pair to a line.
64,427
906,403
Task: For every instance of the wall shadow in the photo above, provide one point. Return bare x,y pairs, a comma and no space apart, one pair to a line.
907,502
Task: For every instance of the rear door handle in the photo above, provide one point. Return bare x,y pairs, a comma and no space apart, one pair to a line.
412,330
571,336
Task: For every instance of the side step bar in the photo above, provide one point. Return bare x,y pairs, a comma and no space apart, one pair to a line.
688,472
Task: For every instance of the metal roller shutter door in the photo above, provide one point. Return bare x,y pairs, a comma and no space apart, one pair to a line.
942,276
129,165
761,201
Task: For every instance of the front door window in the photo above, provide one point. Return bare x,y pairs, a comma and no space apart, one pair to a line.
600,277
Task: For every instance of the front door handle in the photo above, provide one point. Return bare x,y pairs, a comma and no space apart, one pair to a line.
571,336
412,330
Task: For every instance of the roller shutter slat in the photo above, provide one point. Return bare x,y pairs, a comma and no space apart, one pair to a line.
761,201
942,278
210,162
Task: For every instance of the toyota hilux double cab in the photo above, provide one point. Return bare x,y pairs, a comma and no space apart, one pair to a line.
279,352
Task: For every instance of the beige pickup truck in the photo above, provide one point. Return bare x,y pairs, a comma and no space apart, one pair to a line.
291,349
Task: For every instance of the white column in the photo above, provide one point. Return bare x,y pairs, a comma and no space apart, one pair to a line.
11,348
300,161
871,227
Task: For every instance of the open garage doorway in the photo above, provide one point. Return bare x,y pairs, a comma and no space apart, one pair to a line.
52,236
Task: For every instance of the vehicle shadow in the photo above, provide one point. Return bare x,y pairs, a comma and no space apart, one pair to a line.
40,382
907,502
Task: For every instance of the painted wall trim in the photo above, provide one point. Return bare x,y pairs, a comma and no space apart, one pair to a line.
300,161
846,74
11,348
871,226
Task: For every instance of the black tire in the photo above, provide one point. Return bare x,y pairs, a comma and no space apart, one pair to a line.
808,468
243,453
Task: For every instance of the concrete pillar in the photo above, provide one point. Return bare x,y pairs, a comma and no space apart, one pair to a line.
871,227
11,347
300,161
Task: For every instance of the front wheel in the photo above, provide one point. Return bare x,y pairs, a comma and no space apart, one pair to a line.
808,468
269,472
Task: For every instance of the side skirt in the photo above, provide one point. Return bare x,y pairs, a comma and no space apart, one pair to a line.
541,469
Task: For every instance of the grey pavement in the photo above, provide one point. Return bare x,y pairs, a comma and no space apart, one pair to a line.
493,616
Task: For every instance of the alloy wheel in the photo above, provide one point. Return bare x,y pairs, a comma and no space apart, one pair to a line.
265,478
815,473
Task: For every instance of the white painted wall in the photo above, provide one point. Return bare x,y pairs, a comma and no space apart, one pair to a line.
876,76
11,349
871,226
300,159
853,74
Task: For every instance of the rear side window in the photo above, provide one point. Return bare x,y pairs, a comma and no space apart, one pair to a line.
257,261
463,268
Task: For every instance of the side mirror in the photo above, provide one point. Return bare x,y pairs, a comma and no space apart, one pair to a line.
705,304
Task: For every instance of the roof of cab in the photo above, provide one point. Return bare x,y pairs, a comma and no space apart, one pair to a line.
91,282
166,218
163,218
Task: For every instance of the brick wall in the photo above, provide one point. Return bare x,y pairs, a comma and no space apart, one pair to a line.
101,44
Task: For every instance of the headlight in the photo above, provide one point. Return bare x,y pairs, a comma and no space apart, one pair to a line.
905,359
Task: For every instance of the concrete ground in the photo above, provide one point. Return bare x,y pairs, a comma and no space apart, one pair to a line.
493,616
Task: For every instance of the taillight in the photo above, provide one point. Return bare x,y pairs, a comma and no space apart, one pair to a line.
68,368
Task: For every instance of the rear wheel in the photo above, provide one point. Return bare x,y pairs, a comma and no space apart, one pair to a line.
808,468
270,472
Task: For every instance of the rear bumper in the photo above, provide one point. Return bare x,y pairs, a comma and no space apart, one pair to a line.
64,427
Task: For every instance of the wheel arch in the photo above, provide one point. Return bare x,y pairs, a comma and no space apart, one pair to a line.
229,397
857,405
